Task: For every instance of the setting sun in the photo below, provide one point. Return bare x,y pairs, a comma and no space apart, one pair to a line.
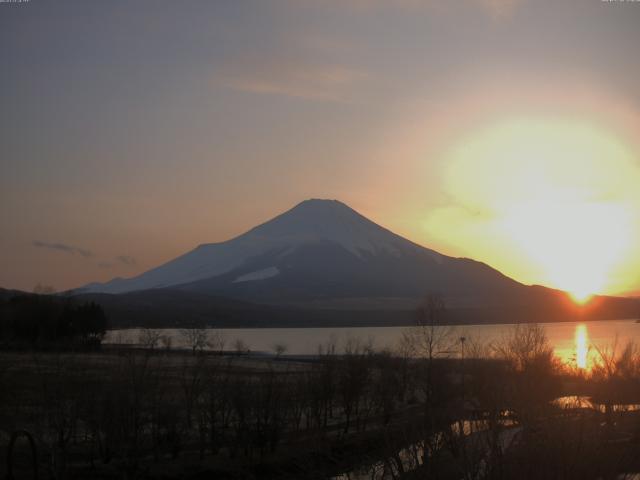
547,201
580,296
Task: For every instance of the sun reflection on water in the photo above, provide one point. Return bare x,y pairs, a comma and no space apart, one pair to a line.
582,346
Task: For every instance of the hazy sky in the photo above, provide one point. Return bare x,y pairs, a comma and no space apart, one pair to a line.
132,131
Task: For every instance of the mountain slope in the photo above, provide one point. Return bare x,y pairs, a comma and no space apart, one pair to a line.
318,251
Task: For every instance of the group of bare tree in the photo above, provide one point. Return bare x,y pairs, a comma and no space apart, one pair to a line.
423,407
121,408
195,339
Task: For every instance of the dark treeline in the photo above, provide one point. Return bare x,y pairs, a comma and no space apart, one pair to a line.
48,321
166,308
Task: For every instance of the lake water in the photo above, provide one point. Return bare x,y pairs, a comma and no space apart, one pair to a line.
305,341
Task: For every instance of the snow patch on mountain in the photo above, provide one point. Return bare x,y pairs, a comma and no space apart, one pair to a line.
258,275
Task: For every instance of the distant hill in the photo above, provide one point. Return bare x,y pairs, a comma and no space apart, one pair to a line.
166,308
179,308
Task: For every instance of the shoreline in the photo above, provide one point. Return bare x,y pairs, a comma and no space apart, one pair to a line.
372,325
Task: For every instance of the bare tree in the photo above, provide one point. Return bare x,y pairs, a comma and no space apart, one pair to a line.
167,341
191,379
240,346
531,373
149,338
615,375
216,341
427,341
279,349
524,346
429,338
195,338
354,376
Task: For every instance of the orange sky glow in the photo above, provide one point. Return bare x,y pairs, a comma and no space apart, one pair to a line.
503,131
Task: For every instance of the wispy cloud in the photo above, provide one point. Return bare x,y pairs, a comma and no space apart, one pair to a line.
126,260
61,247
311,82
498,9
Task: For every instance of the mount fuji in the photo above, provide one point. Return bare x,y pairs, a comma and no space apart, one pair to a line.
324,252
323,264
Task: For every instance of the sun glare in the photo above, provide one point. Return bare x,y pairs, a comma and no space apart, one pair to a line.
580,296
549,197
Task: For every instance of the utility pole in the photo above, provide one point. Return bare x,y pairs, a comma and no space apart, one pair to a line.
462,340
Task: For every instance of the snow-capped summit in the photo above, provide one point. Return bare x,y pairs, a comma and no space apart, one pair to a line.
318,220
317,250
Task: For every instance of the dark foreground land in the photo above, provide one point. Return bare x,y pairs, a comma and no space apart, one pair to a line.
157,413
